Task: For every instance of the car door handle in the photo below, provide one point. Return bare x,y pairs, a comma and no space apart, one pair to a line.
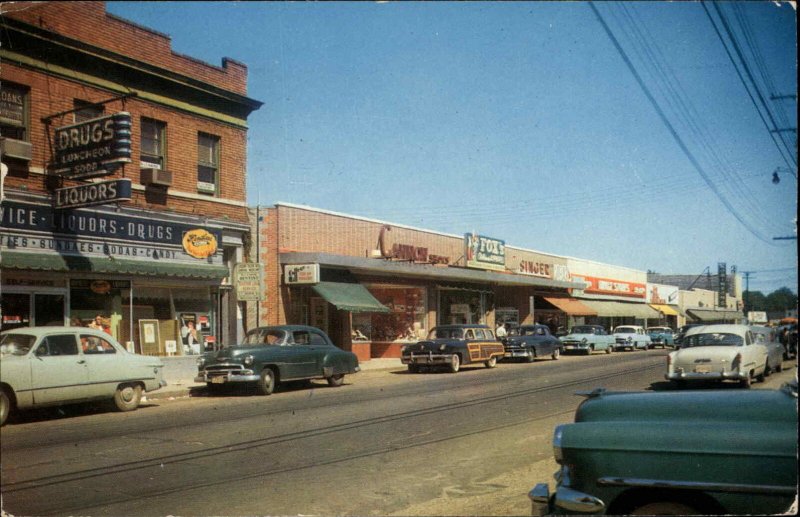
82,361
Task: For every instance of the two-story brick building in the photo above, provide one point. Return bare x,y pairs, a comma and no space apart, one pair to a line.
125,187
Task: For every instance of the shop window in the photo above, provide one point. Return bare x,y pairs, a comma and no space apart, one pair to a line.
16,310
86,110
153,144
461,307
404,322
207,164
14,111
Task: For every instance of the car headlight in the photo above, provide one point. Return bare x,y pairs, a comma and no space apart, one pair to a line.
201,361
558,453
442,348
403,349
248,360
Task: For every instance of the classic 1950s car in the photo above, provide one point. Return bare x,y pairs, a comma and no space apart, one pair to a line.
631,337
50,366
532,342
661,336
775,351
271,355
587,339
453,346
718,353
681,453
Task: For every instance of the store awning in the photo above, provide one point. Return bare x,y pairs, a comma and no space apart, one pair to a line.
572,306
715,315
349,297
666,310
608,309
52,262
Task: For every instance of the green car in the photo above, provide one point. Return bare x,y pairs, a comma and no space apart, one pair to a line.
676,453
271,355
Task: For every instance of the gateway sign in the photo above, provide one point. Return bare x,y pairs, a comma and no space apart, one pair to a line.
94,147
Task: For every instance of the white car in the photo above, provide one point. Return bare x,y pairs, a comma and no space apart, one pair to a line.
718,353
631,337
50,366
775,351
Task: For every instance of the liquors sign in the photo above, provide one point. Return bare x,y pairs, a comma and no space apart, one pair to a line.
93,147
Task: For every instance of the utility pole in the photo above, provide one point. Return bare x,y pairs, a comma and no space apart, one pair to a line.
747,290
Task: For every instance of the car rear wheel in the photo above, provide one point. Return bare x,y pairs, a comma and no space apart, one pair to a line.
609,350
779,368
760,377
767,370
127,397
455,363
664,508
556,354
5,406
336,380
492,362
746,382
266,384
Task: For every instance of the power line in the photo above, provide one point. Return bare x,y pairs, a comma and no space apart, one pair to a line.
672,130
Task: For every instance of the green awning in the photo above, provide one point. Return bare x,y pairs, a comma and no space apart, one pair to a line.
349,297
52,262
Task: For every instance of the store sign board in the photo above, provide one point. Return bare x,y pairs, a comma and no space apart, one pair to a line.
484,252
299,274
93,147
12,104
249,282
101,193
607,286
757,316
660,294
95,233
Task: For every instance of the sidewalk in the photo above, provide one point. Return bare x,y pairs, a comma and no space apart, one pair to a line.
179,372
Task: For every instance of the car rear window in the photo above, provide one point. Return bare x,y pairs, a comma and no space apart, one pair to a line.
16,344
713,339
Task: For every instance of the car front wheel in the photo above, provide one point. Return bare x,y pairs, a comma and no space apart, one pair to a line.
127,397
266,384
492,362
746,382
556,354
455,363
609,350
5,406
336,380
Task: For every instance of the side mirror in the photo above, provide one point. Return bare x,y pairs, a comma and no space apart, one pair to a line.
41,351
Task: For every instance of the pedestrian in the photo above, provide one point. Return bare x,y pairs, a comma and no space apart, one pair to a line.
100,323
501,330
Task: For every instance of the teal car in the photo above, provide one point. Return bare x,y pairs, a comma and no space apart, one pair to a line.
676,453
52,366
271,355
586,339
661,336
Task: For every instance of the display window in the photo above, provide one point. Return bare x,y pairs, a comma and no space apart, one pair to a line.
405,321
458,306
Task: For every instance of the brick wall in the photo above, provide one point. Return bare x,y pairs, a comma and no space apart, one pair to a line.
88,22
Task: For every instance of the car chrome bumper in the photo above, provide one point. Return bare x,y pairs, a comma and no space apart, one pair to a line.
517,353
710,376
227,376
565,500
427,358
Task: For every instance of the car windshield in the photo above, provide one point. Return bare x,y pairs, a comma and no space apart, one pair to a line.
625,330
16,344
529,331
713,339
265,337
583,330
445,333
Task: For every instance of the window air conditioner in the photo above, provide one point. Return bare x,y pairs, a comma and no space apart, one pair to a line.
156,177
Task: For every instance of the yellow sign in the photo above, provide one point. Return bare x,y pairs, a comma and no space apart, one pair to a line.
199,243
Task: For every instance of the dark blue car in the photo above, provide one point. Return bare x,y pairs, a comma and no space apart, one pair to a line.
531,342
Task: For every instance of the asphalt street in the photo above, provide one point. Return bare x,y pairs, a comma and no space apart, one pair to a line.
386,443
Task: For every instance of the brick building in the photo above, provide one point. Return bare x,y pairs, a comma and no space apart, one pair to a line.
125,186
374,286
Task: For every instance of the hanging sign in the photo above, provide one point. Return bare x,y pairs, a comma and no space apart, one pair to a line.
93,147
93,194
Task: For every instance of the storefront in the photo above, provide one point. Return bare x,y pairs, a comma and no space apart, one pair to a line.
142,276
375,287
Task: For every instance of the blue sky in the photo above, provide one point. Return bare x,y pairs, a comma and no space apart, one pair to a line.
521,121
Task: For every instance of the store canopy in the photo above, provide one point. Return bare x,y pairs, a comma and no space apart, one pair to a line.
572,306
349,297
53,262
715,314
608,309
666,310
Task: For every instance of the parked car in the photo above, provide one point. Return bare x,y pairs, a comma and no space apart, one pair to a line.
682,332
775,350
661,336
532,342
51,366
587,339
631,337
453,346
718,452
272,355
718,352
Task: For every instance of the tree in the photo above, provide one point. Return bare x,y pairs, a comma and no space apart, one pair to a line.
781,300
755,301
